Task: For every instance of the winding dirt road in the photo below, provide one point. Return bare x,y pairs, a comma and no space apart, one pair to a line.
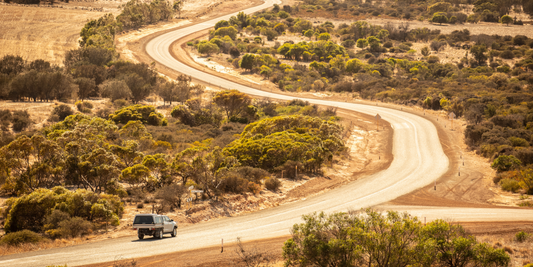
418,161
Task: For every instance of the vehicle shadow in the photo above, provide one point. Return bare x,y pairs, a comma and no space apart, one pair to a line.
148,239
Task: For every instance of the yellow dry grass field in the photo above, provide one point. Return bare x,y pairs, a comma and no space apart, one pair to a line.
42,32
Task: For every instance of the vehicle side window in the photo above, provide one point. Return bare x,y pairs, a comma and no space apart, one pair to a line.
167,219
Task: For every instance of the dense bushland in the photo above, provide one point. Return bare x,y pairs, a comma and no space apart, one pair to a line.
136,150
490,86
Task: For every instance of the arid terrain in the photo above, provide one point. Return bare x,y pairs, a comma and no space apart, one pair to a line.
50,32
44,32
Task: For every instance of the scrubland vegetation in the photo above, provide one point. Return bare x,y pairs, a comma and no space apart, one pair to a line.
389,239
72,177
490,87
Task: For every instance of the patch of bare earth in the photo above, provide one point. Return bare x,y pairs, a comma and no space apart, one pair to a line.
46,32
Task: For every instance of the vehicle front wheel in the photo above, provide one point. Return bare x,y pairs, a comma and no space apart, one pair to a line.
141,236
174,232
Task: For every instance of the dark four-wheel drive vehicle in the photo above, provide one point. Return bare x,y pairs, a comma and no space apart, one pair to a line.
154,225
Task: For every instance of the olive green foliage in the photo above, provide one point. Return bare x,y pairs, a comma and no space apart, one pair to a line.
505,163
506,19
207,48
521,236
196,113
20,237
100,32
74,151
233,102
28,212
146,114
439,17
269,143
385,239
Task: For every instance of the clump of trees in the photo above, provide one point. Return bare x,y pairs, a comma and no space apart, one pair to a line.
385,239
59,212
135,14
144,113
45,209
269,143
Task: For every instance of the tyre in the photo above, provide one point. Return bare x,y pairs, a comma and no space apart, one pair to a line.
160,234
141,236
174,232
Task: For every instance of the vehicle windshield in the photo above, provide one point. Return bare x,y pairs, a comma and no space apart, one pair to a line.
143,220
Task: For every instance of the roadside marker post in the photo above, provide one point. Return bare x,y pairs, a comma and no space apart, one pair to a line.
189,198
377,122
452,117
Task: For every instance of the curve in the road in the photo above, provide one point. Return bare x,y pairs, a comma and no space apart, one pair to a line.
418,161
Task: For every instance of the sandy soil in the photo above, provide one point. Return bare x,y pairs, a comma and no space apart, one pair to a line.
46,32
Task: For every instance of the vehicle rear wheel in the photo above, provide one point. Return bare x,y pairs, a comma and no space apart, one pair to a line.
174,232
161,234
141,236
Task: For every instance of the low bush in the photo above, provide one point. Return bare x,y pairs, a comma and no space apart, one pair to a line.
62,111
75,227
20,237
521,236
510,185
272,184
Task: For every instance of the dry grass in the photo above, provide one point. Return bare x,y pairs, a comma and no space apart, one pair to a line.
521,253
46,244
42,32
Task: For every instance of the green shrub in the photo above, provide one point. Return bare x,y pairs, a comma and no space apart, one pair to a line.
20,237
521,236
505,163
28,211
510,185
145,114
516,141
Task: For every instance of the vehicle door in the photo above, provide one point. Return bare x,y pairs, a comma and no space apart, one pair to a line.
168,224
159,222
